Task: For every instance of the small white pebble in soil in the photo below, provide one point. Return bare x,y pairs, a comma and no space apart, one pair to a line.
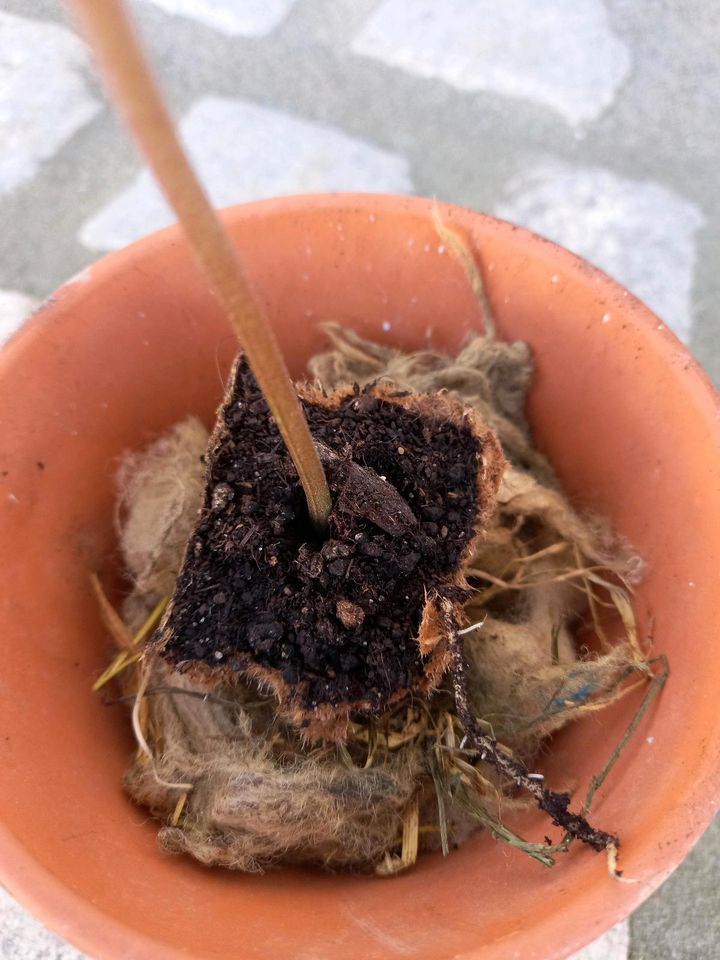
606,318
441,248
218,655
371,217
401,450
554,278
650,740
691,583
386,325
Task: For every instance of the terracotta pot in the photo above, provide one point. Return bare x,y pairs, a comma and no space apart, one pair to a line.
137,342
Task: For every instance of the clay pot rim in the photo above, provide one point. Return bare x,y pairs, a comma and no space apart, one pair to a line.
92,930
116,260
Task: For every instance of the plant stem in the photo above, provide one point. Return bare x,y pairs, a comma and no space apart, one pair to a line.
134,91
554,804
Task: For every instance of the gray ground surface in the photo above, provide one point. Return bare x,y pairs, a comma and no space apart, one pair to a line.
593,122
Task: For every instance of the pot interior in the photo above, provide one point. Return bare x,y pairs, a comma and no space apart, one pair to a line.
618,405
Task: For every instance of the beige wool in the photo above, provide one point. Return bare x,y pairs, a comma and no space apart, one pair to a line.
261,795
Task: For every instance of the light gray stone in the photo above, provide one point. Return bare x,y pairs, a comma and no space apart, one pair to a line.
14,308
561,54
43,97
243,152
638,231
613,945
22,937
248,18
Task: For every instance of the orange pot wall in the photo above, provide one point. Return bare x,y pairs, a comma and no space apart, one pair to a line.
624,413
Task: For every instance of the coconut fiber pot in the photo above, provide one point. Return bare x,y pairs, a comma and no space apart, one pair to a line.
138,342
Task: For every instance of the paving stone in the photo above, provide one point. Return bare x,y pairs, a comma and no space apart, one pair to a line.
14,308
243,152
640,232
24,938
38,113
247,18
613,945
562,54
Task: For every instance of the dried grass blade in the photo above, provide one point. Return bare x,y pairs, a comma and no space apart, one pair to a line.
459,248
110,617
538,851
656,685
120,663
179,807
441,794
150,622
411,834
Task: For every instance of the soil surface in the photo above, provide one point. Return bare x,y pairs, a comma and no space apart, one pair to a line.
340,616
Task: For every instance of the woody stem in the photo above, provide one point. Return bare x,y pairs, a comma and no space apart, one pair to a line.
136,95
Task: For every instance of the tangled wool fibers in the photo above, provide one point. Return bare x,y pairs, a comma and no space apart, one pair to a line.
234,785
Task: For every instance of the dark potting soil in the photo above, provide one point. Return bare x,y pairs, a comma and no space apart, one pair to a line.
338,616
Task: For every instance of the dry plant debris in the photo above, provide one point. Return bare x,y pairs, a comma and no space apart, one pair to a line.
238,782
